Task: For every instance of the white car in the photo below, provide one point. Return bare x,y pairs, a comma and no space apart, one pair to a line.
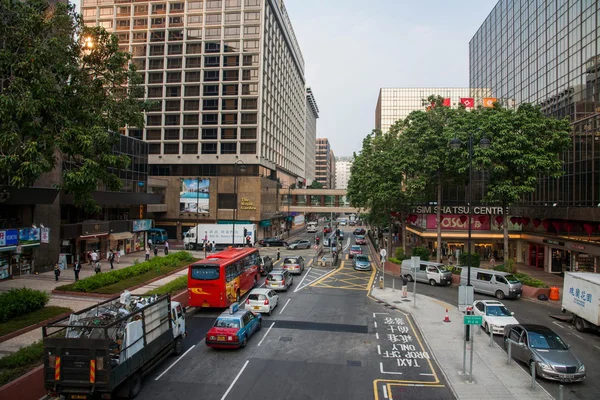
262,301
495,316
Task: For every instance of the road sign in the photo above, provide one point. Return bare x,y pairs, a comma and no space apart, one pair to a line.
473,319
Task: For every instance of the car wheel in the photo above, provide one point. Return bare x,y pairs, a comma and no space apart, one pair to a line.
499,294
579,325
486,328
269,312
432,282
259,327
244,342
409,277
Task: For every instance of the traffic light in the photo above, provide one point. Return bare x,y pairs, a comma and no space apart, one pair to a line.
245,232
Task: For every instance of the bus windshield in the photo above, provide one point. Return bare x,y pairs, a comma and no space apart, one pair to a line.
205,272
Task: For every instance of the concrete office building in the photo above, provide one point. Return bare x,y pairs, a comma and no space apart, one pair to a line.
312,113
394,104
325,167
343,165
228,80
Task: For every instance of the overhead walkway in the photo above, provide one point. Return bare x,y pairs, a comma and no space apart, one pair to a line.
316,201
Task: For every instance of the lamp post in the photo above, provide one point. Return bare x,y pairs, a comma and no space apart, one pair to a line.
238,164
197,216
287,222
457,144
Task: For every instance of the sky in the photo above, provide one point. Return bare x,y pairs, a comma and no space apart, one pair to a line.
352,48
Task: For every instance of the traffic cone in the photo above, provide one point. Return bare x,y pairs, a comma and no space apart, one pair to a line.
447,318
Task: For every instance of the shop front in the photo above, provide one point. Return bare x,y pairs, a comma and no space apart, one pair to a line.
94,237
9,240
140,228
120,237
558,255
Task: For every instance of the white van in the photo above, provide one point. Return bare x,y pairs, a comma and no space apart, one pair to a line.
428,272
495,283
311,227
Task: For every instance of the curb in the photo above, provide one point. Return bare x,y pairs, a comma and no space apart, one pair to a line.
29,386
31,327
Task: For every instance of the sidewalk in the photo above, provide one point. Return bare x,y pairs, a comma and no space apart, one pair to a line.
493,378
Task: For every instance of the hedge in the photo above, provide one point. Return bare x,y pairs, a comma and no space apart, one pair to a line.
470,258
422,252
23,360
104,279
400,255
524,278
17,302
174,286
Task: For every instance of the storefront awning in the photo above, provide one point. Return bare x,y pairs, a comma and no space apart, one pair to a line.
8,248
93,236
120,236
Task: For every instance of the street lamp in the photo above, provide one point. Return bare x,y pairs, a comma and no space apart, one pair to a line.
197,216
238,164
456,144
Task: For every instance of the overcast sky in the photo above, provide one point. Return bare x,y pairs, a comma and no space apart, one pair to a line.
352,48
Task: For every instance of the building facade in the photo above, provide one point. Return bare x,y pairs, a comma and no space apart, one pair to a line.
394,104
343,165
310,148
325,164
227,79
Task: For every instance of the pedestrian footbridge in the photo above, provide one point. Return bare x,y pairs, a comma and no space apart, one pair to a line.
315,201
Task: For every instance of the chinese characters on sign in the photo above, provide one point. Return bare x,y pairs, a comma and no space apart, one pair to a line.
398,335
580,296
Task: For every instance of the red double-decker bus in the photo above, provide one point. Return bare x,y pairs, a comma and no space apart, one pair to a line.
222,278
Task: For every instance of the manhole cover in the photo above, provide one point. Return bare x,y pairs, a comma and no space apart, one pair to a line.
285,339
351,363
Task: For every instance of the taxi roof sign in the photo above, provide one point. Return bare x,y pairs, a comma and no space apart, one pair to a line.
234,308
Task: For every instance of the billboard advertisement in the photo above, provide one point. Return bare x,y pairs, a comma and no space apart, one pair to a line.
453,222
29,235
194,196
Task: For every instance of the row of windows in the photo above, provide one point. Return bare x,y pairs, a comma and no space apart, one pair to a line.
208,76
248,89
196,62
194,119
177,21
161,9
192,134
192,5
205,148
207,105
190,48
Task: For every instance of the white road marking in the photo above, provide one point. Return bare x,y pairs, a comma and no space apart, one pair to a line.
235,380
300,284
176,361
426,374
375,322
558,324
375,313
597,347
385,393
286,303
385,372
263,339
378,349
377,335
578,336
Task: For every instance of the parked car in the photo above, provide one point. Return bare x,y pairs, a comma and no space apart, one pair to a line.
540,345
428,272
299,244
266,242
351,223
343,222
360,239
327,229
495,283
359,231
265,265
355,250
233,328
361,263
279,279
262,300
495,315
293,264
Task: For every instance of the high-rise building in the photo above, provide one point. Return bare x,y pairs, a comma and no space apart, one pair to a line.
227,81
325,167
343,165
312,113
394,104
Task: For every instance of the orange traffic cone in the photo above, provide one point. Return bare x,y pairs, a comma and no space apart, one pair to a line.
447,318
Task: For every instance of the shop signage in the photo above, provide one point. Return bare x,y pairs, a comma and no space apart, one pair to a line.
454,222
9,237
45,235
479,210
265,222
578,246
142,225
95,227
554,242
298,219
29,236
247,204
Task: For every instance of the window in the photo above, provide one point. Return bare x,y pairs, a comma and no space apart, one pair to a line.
194,19
249,104
124,37
251,16
229,119
233,18
173,91
210,76
209,133
250,74
483,276
152,134
176,34
212,47
139,36
172,119
89,12
191,105
251,31
213,4
154,148
170,148
157,50
175,21
210,119
213,33
195,5
173,77
230,90
140,23
209,148
153,120
171,134
211,90
232,32
175,49
176,7
248,133
190,119
136,133
172,105
247,148
193,48
192,90
159,8
140,10
232,47
157,36
190,148
228,148
231,75
249,119
193,62
140,64
157,22
106,11
250,45
212,61
231,61
251,88
212,104
250,3
156,64
174,63
233,3
123,24
194,34
251,60
190,134
213,19
105,24
229,133
229,104
154,91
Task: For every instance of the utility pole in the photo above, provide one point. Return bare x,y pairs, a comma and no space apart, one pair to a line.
197,207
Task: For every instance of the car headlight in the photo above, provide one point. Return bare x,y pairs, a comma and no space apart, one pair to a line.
545,367
582,368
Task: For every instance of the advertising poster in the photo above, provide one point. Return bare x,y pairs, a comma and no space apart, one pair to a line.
9,237
194,196
45,235
29,235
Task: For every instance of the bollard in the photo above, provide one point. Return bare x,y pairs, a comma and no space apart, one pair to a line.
532,370
509,348
471,361
491,335
465,353
560,392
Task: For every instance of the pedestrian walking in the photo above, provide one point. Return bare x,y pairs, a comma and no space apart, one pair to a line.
111,258
147,253
150,243
404,286
94,258
76,269
155,251
118,253
56,271
97,267
492,263
383,254
166,248
278,254
214,246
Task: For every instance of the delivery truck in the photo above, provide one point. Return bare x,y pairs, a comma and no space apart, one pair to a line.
106,350
221,234
581,298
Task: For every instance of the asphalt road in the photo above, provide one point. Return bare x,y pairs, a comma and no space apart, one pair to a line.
326,340
585,345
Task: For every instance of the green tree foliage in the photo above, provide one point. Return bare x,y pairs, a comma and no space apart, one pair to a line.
65,91
315,185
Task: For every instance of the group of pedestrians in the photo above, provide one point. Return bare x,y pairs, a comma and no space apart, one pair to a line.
154,248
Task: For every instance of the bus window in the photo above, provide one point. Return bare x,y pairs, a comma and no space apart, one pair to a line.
205,272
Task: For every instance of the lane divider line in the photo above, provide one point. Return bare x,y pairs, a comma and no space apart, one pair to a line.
303,278
263,339
379,349
235,380
286,303
377,335
176,361
385,392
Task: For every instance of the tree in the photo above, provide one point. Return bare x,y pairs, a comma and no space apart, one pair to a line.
525,145
65,92
315,185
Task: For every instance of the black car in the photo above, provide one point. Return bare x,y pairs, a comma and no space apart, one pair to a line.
265,265
359,231
266,242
